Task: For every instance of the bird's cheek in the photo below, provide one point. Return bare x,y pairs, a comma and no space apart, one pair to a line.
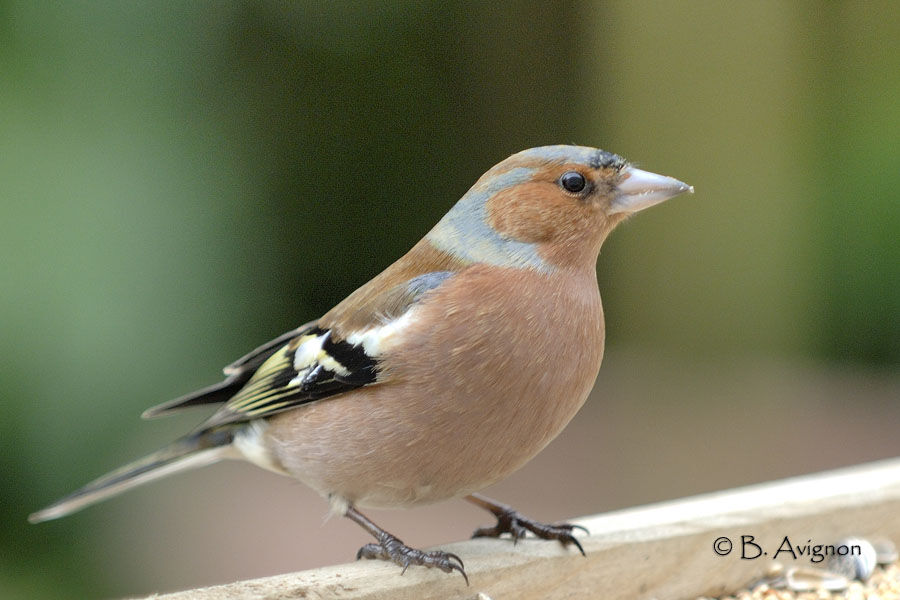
523,213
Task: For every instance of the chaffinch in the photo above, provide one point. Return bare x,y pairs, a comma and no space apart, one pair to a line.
443,374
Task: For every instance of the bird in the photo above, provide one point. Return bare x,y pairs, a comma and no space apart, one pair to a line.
444,373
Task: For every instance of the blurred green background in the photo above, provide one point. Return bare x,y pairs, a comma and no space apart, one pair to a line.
180,182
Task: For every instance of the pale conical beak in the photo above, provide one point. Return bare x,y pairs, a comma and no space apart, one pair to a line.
642,189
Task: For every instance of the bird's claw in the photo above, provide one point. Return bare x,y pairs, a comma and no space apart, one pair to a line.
392,549
517,525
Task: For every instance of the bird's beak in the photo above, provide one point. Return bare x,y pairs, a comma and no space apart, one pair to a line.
642,189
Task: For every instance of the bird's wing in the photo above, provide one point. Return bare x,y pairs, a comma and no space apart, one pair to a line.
238,373
319,362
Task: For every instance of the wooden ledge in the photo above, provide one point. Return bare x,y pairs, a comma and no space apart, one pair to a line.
663,550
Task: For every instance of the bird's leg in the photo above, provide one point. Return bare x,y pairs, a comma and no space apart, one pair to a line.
514,523
390,548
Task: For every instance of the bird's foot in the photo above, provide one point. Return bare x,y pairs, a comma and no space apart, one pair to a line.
517,525
392,549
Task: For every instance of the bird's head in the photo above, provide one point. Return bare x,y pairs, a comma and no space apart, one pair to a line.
548,207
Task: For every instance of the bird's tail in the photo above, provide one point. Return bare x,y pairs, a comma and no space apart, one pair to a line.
194,450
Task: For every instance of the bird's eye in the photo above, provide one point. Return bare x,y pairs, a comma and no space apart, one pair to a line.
573,182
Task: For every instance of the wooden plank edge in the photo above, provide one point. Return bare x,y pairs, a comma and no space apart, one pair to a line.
662,550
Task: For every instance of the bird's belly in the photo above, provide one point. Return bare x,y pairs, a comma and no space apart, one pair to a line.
415,448
403,455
